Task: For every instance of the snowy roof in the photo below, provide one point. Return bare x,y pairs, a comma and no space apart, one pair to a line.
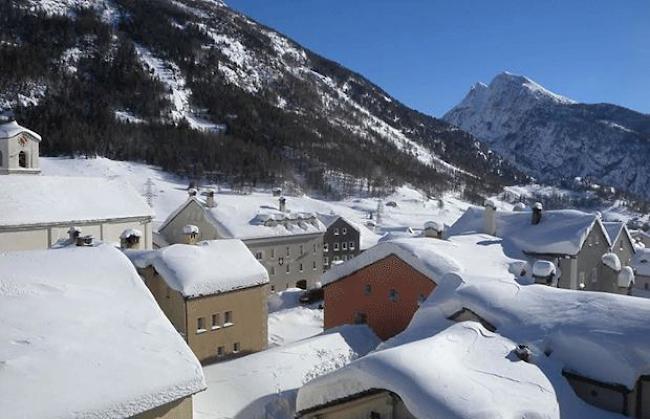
264,384
436,376
329,219
210,267
431,257
256,216
641,262
28,200
610,330
561,232
76,322
11,129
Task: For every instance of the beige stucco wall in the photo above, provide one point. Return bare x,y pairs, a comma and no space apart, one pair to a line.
590,263
179,409
171,302
249,324
193,214
383,403
44,236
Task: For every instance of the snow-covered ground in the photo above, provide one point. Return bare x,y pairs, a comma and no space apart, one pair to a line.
289,321
265,384
412,208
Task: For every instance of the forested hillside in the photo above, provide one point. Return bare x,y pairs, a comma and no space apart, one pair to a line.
199,89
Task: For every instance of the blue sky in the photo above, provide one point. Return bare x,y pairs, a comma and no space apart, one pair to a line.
427,53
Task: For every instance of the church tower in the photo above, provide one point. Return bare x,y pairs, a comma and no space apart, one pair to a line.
19,147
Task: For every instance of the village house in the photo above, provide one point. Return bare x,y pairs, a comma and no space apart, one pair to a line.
573,241
485,336
341,241
286,240
641,237
621,241
641,265
81,336
213,292
385,285
39,212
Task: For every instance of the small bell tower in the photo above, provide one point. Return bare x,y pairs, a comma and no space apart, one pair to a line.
19,147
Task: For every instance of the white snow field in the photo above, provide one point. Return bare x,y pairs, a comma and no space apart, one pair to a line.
82,336
264,385
413,208
289,321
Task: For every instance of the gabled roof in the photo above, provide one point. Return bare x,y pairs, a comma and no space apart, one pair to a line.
210,267
81,336
11,129
431,257
329,219
255,216
29,200
560,232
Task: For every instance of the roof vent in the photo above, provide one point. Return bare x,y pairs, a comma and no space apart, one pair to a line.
85,241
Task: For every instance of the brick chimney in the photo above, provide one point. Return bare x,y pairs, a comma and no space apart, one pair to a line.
209,200
73,234
192,192
283,204
490,218
130,239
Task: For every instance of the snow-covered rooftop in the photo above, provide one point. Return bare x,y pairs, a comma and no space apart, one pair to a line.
257,216
11,129
264,384
561,232
27,200
431,257
210,267
464,371
81,336
641,262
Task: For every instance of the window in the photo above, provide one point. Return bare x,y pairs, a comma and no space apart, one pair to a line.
301,269
288,268
360,318
313,265
272,253
314,248
280,261
235,347
375,415
22,159
216,321
221,351
367,290
344,245
336,246
326,260
336,258
421,299
302,250
288,251
326,247
336,231
351,246
344,231
259,255
272,288
272,270
645,285
1,163
200,325
227,318
393,295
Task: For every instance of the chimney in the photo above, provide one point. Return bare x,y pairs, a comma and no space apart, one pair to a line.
192,192
433,230
191,234
537,213
209,201
84,241
73,234
490,218
130,238
283,204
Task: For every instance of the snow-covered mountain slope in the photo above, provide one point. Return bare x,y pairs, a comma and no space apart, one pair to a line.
201,66
554,138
